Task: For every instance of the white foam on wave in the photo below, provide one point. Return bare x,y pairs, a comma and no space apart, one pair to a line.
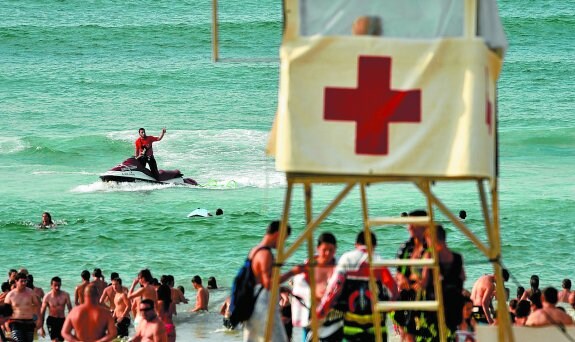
119,187
128,135
232,154
272,180
64,173
10,145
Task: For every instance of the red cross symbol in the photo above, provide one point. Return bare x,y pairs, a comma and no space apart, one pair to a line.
488,105
373,105
488,114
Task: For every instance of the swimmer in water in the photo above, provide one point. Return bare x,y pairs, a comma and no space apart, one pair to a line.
46,221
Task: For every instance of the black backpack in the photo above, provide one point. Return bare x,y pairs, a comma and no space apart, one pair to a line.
243,298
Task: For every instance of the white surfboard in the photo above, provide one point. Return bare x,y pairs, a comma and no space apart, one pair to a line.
200,213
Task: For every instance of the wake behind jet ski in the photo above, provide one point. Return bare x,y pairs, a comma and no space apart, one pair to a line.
131,170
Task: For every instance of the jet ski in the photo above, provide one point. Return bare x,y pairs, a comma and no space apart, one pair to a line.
131,170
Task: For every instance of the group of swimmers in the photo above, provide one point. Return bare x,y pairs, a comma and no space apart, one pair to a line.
149,301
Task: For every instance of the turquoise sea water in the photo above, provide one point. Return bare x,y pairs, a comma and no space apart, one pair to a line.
78,78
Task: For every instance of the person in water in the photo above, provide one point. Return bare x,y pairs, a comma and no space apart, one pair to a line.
212,283
46,221
145,153
203,296
26,305
165,311
200,212
89,321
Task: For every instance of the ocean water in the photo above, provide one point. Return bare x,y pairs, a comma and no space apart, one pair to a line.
78,78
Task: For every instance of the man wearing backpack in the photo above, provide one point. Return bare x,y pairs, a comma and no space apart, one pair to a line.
262,260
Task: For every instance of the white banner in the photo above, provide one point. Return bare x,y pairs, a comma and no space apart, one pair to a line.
372,106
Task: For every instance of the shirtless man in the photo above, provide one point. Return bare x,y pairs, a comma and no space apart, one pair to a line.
146,291
482,293
177,295
121,304
99,280
563,295
262,261
26,308
110,293
325,259
203,296
37,290
79,291
325,265
151,329
90,321
56,301
549,314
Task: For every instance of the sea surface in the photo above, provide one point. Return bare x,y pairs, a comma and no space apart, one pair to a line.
78,78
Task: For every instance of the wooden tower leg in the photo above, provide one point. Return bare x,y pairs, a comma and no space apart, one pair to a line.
274,295
376,315
215,34
505,332
312,264
437,286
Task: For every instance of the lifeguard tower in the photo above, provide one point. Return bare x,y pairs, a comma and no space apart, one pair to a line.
390,91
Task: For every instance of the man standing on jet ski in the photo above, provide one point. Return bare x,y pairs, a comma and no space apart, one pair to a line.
144,151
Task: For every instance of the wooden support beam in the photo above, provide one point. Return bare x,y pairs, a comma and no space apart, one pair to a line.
313,225
274,294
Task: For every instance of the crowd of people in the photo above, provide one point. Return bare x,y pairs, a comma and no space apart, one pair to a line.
342,293
97,311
